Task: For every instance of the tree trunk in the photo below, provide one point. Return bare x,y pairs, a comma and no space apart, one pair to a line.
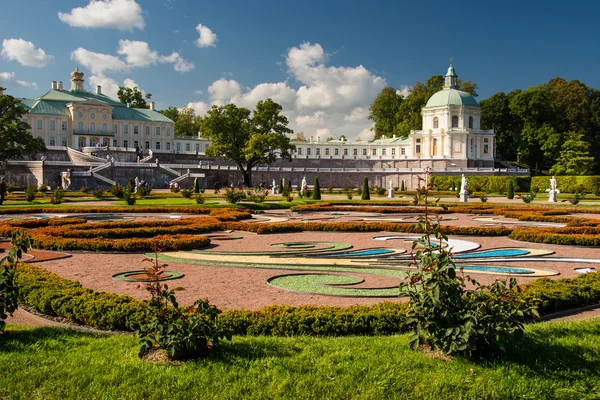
247,178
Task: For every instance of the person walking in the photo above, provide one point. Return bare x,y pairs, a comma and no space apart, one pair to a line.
2,190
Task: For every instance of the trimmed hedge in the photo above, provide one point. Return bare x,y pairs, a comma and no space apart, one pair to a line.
50,294
486,184
567,184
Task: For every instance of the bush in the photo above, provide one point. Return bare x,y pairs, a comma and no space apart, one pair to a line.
30,192
130,197
380,191
510,189
43,188
316,194
57,196
186,193
256,197
200,198
9,290
575,198
118,191
196,186
144,190
98,193
233,196
365,195
84,189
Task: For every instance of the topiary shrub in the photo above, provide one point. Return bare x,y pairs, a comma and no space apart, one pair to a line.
200,198
510,189
365,195
30,192
196,186
316,194
57,196
187,193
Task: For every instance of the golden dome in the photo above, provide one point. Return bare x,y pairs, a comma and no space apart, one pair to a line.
76,75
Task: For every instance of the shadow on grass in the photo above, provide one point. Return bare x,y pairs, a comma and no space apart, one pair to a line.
255,350
52,337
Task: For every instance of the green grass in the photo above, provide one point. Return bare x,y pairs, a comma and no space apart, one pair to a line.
552,361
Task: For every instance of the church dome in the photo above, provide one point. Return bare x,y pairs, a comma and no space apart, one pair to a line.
451,97
77,75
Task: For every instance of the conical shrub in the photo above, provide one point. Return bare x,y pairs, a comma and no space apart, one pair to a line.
365,195
316,195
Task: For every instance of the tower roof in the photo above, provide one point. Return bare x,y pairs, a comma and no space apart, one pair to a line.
447,97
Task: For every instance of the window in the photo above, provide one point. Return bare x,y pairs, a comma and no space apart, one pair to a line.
394,151
136,130
197,147
104,116
486,146
64,125
125,143
345,152
24,120
126,128
364,152
300,150
92,127
148,145
168,131
336,152
308,151
168,145
436,123
136,144
157,146
355,152
64,141
318,151
383,152
327,151
454,121
470,122
104,128
80,126
471,146
418,149
206,146
114,142
92,116
178,147
39,124
147,130
373,152
52,141
157,130
114,128
80,115
52,125
418,140
403,151
187,147
81,142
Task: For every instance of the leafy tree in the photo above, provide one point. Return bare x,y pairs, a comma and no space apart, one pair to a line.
496,115
316,194
15,140
574,158
133,97
384,110
247,140
365,195
300,137
186,122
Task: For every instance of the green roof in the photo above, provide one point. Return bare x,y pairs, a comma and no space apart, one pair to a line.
50,107
138,114
27,103
451,97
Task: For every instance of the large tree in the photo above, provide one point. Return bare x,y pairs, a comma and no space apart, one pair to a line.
384,110
133,97
15,140
187,123
574,158
246,138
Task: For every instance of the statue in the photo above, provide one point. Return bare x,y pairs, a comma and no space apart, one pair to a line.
391,190
464,195
553,183
274,186
137,184
138,159
553,190
303,186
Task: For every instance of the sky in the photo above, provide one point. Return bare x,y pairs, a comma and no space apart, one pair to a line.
323,61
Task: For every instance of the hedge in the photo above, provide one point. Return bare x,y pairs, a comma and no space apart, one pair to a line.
52,295
488,184
567,184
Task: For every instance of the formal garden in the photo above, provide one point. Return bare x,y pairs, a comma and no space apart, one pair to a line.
341,291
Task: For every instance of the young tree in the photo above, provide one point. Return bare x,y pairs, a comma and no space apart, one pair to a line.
510,189
574,158
365,195
15,140
247,140
316,194
133,97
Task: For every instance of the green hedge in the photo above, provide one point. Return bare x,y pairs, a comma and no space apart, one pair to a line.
50,294
488,184
567,184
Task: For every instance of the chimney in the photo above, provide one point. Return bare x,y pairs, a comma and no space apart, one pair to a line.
54,85
152,105
59,85
98,89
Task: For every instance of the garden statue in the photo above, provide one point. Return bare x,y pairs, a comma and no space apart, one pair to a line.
137,184
274,186
464,195
391,190
303,186
553,190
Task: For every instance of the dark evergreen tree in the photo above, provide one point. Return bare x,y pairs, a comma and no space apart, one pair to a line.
365,195
316,195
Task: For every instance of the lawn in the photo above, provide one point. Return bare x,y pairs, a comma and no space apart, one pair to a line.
553,360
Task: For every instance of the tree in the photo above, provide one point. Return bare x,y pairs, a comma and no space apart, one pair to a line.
384,110
316,194
496,115
247,140
133,97
574,158
186,122
15,140
365,194
510,189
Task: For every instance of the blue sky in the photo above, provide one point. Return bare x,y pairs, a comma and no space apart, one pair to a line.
324,61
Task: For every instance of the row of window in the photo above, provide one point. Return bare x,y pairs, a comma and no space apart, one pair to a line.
436,122
136,130
365,152
92,116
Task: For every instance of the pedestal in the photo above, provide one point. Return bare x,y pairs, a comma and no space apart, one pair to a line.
464,197
552,196
391,193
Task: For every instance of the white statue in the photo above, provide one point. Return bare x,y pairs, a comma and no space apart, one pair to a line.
464,195
553,190
303,186
553,183
137,184
274,186
391,190
283,182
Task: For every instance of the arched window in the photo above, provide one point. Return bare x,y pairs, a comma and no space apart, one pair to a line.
470,122
93,127
436,123
454,121
80,126
104,128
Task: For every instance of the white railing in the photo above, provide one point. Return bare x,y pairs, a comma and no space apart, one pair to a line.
147,158
170,170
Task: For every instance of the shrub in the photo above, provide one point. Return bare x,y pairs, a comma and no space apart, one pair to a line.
349,195
30,192
98,193
130,197
9,290
186,193
233,196
118,191
510,189
196,185
380,191
256,197
483,198
43,188
57,196
316,194
200,198
144,190
290,198
365,195
84,189
575,198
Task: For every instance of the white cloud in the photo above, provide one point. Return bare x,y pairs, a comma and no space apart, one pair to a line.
367,134
223,90
110,87
198,91
404,90
310,120
357,114
27,84
119,14
200,107
25,53
98,63
6,76
182,65
207,37
279,92
323,133
137,54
